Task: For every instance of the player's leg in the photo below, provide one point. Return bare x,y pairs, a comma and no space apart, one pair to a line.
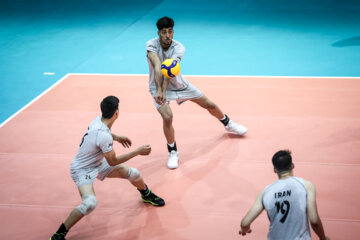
136,179
214,110
167,116
206,103
169,132
88,204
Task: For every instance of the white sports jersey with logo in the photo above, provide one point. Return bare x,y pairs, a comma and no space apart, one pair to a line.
175,51
285,204
96,141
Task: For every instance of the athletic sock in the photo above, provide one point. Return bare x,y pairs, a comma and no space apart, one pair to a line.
62,229
225,120
145,191
172,147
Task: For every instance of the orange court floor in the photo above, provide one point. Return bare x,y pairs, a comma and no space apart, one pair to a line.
219,175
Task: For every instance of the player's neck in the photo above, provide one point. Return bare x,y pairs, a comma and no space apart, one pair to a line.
107,122
285,175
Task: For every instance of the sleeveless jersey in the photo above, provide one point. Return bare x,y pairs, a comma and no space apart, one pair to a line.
285,204
96,141
175,51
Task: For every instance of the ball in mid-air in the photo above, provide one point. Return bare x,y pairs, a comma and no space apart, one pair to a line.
170,68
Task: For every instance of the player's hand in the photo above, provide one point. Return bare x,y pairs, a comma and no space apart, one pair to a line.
163,98
125,141
244,230
160,97
144,150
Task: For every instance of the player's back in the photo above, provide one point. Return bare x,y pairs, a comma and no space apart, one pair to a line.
95,142
285,203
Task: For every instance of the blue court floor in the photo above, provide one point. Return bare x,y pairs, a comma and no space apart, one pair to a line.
42,41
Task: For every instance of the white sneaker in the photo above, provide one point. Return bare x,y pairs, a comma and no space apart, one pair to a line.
233,127
173,161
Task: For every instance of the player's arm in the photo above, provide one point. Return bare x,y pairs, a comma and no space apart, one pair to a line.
312,212
165,84
125,141
252,214
160,96
177,55
114,160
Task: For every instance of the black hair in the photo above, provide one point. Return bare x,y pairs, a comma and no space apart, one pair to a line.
282,161
165,22
108,106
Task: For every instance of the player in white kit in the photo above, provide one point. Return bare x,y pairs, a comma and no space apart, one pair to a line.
289,203
96,158
177,88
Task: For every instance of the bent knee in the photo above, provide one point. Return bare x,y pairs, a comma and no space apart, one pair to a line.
88,204
134,175
167,118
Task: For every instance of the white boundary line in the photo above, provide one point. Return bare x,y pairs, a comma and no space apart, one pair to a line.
35,99
120,74
215,76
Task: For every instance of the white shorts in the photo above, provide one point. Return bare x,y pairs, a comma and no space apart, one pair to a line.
88,175
191,92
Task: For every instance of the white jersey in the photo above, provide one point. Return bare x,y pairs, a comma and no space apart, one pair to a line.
96,141
175,51
285,204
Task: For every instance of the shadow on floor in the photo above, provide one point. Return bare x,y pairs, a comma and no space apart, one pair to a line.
349,42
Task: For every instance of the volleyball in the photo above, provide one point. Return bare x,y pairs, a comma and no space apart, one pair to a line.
170,68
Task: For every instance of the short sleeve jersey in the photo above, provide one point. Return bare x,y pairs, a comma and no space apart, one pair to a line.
175,51
285,204
96,141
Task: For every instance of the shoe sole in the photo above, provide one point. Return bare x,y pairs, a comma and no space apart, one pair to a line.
173,167
152,203
235,133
